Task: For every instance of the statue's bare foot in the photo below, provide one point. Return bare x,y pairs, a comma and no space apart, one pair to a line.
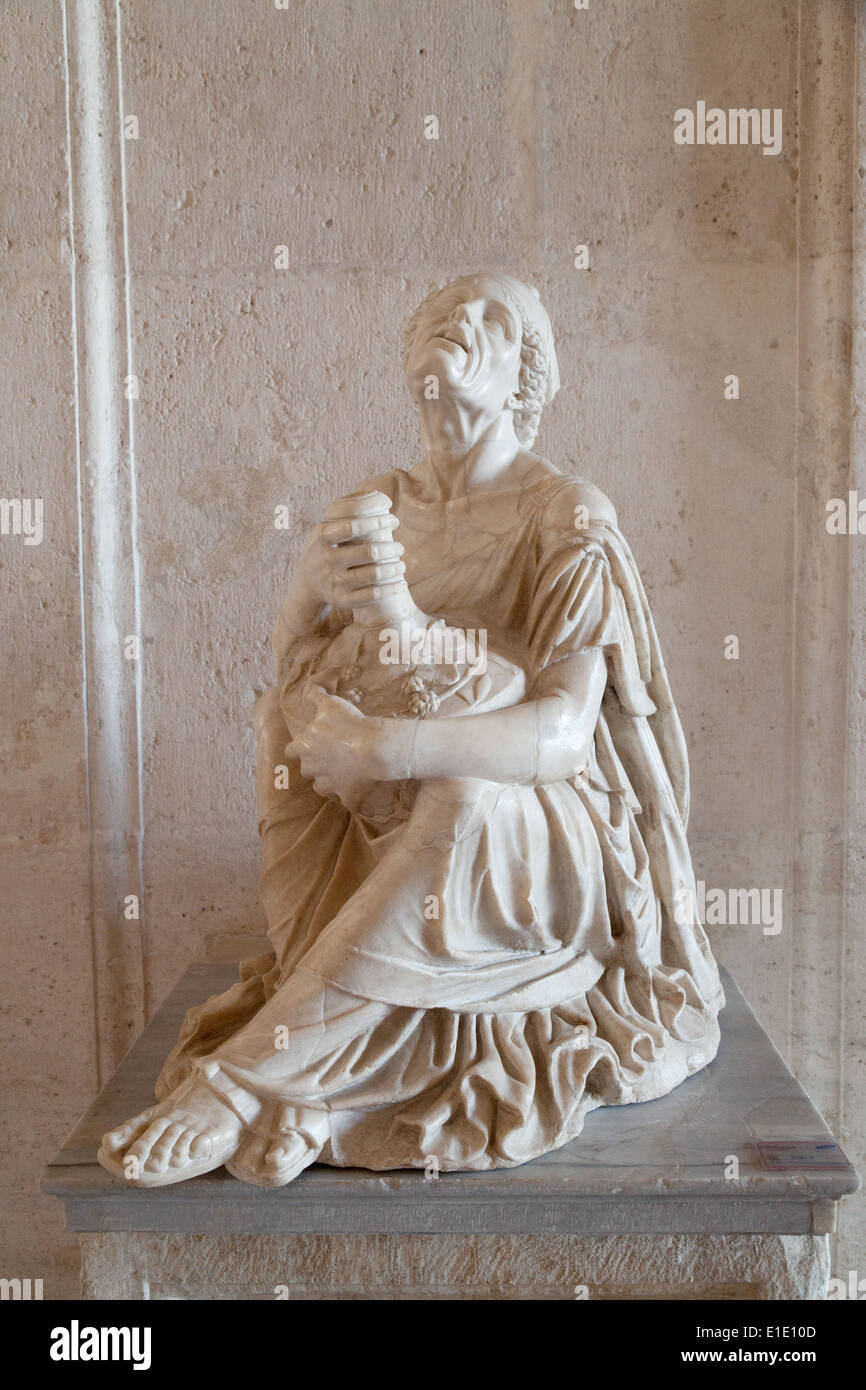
191,1133
274,1157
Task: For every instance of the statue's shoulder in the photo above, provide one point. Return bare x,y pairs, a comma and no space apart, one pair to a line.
561,495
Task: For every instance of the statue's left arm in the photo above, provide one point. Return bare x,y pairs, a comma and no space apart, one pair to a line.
542,740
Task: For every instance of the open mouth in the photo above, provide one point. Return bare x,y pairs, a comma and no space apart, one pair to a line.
453,335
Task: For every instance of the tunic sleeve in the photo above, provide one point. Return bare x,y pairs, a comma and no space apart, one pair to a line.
578,606
573,606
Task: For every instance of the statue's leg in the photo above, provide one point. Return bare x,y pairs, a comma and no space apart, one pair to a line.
285,1051
205,1121
260,1102
283,1070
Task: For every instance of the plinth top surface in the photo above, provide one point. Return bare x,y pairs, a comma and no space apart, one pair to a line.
745,1106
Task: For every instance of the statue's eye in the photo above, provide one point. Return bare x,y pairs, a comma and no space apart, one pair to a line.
497,319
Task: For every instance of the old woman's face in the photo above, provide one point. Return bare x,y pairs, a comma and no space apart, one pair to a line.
469,338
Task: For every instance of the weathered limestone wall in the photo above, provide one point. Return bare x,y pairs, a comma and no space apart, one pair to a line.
47,1029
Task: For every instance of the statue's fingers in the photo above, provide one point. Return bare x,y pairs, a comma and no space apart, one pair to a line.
327,704
380,527
351,557
369,593
297,747
379,573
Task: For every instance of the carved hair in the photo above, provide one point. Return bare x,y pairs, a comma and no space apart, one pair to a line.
531,384
534,378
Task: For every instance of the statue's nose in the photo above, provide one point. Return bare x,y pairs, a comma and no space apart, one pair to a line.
464,315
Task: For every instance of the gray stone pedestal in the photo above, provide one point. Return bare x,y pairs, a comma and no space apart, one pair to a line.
727,1188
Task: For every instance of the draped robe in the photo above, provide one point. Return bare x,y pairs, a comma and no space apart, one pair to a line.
466,984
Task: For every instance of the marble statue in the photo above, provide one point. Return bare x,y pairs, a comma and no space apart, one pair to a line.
473,796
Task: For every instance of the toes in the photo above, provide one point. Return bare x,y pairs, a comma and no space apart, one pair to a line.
140,1151
278,1155
254,1151
117,1139
201,1146
163,1149
180,1153
160,1139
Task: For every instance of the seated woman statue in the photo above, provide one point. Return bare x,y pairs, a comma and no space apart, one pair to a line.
473,795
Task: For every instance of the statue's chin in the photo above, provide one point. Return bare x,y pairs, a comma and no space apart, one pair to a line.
440,358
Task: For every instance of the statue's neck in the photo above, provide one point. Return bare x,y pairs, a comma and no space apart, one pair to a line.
465,449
